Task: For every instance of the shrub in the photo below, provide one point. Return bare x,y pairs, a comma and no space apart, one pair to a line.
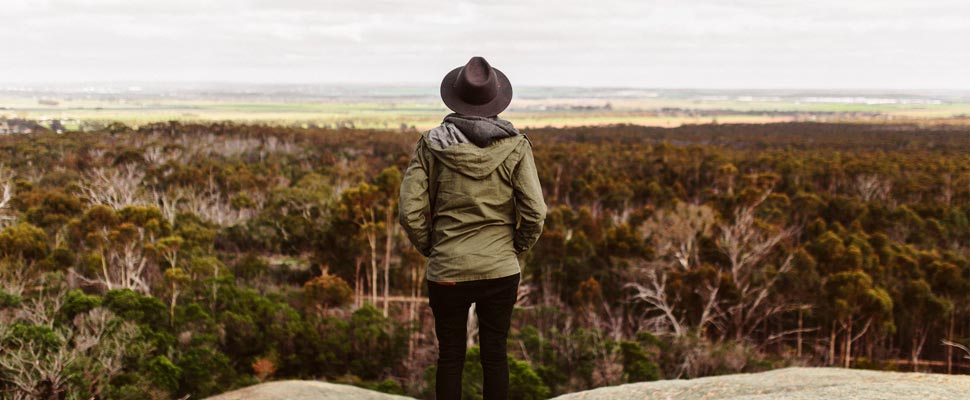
77,302
637,365
327,291
9,300
163,372
374,343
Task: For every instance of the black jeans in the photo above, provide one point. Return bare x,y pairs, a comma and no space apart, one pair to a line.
494,300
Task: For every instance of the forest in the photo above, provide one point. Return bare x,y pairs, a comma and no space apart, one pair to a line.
175,259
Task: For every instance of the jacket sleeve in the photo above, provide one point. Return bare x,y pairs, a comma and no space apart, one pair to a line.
414,205
529,204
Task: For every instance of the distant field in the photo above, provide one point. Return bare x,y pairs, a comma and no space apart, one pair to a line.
392,108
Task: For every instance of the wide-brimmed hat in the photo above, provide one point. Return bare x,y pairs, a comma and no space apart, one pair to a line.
476,89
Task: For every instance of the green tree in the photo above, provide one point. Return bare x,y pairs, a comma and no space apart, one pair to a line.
852,300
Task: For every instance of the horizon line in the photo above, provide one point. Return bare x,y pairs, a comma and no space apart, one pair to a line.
433,87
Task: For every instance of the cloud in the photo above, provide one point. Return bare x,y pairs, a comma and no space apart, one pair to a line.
647,43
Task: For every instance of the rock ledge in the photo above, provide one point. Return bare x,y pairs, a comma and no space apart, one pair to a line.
304,390
787,383
793,383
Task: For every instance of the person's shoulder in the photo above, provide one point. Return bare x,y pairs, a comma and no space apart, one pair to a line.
429,135
523,143
521,149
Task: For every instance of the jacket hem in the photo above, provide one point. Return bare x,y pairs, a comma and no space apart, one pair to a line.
465,277
475,277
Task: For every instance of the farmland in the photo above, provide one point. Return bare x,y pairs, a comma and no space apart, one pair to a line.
392,108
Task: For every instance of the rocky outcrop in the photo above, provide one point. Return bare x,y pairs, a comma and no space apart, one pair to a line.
788,383
304,390
793,383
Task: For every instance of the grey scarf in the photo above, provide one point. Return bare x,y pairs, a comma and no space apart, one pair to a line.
480,130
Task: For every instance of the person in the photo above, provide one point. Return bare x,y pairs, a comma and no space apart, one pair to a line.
471,202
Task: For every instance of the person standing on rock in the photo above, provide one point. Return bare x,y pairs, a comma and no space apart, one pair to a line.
471,202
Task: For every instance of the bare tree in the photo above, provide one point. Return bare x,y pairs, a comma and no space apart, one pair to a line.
746,244
42,310
15,278
654,293
159,156
96,153
115,187
955,345
93,344
6,194
274,144
947,191
131,261
872,187
125,262
168,202
675,235
359,205
36,373
101,345
390,231
208,205
212,205
232,147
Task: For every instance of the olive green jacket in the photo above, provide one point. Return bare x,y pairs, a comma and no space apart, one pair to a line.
472,209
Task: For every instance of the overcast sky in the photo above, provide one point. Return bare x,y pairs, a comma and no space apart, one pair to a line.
821,44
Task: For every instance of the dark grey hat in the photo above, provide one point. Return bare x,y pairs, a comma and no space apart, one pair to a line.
476,89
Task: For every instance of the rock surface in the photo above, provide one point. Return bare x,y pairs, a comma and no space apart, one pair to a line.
788,383
304,390
793,383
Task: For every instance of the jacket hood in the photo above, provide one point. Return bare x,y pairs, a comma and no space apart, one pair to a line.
481,130
450,146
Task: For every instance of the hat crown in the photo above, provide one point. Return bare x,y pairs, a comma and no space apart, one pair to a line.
476,89
476,82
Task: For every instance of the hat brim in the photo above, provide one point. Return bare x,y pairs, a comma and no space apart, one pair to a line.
501,101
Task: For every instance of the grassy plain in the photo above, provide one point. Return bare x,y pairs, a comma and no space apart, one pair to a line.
423,113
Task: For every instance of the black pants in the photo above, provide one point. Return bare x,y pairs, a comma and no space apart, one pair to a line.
494,300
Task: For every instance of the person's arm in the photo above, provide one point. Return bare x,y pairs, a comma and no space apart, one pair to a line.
414,204
529,204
